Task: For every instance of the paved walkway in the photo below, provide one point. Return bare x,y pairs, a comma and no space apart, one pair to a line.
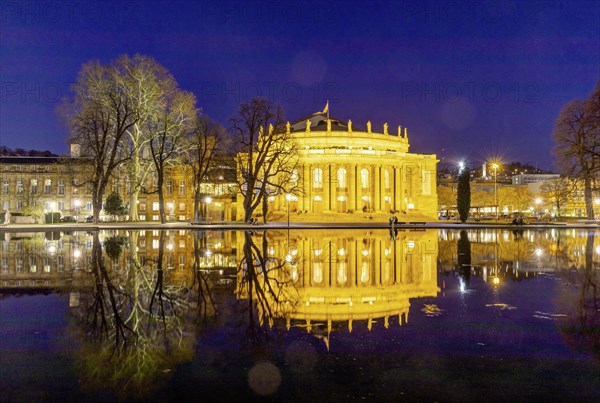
284,225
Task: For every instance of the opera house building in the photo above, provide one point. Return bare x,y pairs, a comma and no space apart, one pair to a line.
349,172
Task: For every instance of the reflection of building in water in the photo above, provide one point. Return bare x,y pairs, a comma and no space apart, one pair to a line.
45,261
519,254
39,261
333,279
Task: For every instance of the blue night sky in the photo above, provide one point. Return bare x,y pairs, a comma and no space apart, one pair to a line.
471,80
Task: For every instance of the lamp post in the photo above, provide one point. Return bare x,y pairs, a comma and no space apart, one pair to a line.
288,197
495,167
77,204
206,203
538,202
52,206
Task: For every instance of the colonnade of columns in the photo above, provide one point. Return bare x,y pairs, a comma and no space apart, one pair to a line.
350,187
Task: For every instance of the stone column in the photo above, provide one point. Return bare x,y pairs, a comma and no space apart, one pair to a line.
397,188
307,182
351,174
333,185
326,186
377,189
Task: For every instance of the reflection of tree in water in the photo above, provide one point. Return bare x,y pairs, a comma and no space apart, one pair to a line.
581,328
265,285
135,332
464,256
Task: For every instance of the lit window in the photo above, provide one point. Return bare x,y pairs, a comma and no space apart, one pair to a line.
317,178
19,186
386,179
364,178
181,206
47,186
61,186
341,176
169,187
33,186
182,187
155,206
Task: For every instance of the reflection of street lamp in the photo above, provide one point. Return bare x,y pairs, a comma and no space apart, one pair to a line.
495,167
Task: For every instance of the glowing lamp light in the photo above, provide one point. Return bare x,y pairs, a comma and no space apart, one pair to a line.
51,249
411,206
342,252
365,252
496,280
76,253
341,198
288,197
318,198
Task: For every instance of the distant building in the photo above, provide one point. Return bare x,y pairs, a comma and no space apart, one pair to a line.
34,185
533,181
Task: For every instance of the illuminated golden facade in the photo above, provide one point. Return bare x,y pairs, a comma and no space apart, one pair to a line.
348,169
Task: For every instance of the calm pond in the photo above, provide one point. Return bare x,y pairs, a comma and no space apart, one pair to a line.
306,315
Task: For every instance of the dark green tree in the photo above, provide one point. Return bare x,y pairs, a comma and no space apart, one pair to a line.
463,194
114,205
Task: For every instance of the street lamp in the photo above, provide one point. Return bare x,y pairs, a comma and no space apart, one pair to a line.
538,201
495,167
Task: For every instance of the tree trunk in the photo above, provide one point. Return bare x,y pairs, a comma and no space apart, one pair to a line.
196,203
265,207
589,203
161,199
96,205
135,188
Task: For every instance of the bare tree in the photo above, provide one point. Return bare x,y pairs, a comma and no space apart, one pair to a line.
267,157
173,120
204,145
577,147
557,192
99,116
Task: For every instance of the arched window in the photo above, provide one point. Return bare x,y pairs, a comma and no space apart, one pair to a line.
364,272
342,275
317,272
341,176
317,178
386,179
364,178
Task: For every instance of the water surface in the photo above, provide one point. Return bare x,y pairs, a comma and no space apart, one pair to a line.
433,315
